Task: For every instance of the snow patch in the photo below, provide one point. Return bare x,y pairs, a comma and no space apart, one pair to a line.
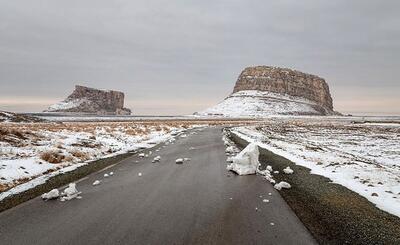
281,185
253,103
288,170
179,161
96,182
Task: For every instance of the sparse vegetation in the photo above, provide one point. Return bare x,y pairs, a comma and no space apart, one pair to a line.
64,144
83,156
52,157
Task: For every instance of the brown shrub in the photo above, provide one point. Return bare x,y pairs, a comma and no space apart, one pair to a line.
52,157
79,154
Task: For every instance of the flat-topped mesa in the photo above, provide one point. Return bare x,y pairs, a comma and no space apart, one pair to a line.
262,91
92,101
285,81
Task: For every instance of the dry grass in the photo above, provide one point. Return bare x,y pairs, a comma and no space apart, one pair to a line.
22,134
83,156
53,157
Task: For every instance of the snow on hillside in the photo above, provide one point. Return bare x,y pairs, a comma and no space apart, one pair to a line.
66,104
362,157
253,103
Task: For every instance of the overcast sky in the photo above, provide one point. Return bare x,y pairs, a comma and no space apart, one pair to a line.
177,57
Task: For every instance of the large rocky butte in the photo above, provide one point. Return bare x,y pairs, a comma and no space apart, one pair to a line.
267,90
285,81
85,100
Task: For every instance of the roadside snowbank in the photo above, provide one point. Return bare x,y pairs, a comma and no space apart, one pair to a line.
364,160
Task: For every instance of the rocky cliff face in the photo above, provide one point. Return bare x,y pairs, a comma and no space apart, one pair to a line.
263,90
92,101
285,81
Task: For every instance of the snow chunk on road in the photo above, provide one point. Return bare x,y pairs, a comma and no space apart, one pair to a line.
281,185
139,174
157,159
53,194
288,170
96,182
70,193
106,175
179,161
231,149
141,155
246,162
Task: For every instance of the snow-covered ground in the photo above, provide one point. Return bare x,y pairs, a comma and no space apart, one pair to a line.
31,153
362,157
252,103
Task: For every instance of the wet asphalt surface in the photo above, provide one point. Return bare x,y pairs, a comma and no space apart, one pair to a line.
197,202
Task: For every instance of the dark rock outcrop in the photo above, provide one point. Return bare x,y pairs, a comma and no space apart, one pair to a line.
92,101
285,81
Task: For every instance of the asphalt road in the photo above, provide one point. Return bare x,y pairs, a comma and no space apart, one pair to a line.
197,202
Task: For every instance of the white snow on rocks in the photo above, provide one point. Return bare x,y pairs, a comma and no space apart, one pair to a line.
281,185
157,159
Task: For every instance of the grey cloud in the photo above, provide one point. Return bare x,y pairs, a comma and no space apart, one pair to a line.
193,50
